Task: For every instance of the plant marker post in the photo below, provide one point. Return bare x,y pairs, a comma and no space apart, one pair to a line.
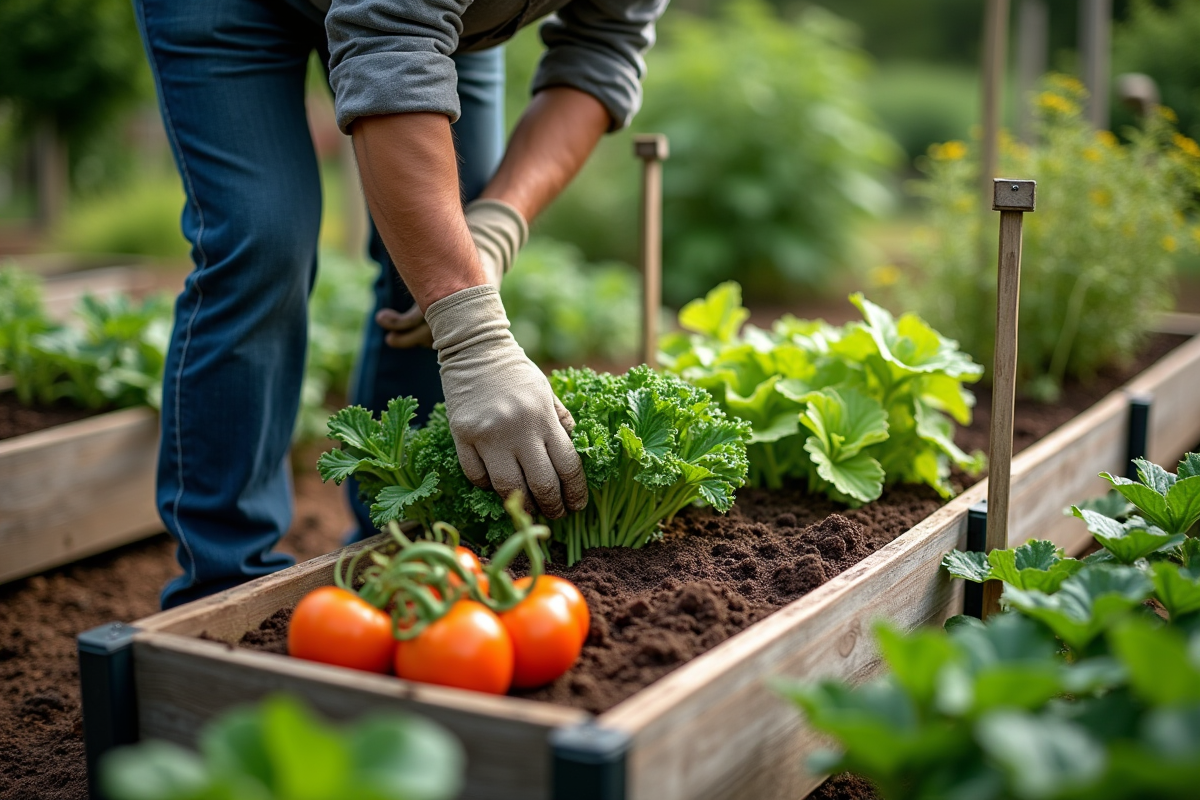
1012,198
652,149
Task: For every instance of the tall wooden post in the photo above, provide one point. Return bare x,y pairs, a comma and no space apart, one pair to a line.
1012,198
1095,46
1033,26
652,149
995,47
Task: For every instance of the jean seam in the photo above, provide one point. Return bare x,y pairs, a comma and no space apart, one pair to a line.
201,264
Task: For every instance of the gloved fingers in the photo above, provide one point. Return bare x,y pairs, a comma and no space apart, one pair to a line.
564,416
569,468
472,465
506,476
542,479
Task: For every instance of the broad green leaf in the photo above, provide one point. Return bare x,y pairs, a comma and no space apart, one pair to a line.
1025,686
1086,603
154,770
310,761
1111,504
845,421
912,346
1189,467
337,465
859,477
969,565
1154,476
406,758
1005,638
1156,656
356,427
718,315
916,659
1183,503
1178,592
392,501
631,444
234,745
651,425
1152,504
1127,541
784,424
1042,755
937,430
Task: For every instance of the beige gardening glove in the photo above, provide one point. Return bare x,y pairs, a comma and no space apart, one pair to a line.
499,231
511,432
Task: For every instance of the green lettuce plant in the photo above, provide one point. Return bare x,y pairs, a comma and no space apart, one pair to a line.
278,750
650,444
848,408
1088,685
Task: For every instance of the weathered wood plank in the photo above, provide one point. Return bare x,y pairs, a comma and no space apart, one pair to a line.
76,489
1174,384
61,293
182,683
707,729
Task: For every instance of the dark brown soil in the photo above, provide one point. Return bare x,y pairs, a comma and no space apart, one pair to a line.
698,591
17,420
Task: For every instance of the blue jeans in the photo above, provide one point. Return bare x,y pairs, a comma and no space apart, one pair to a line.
231,84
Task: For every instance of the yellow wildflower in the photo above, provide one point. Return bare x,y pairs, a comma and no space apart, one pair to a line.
1091,154
950,151
1106,138
1067,83
1169,244
1168,114
1100,197
885,275
1048,101
1187,145
964,204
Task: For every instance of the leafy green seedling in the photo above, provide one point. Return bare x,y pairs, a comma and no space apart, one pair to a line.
1130,540
1036,565
1086,604
1169,500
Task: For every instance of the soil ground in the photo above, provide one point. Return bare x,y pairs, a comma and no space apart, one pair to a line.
690,593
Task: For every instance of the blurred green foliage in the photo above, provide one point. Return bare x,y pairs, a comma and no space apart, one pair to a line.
1164,43
922,103
1099,253
137,218
565,311
75,62
774,154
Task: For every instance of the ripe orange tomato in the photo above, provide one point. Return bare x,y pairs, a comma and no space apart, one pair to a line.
468,648
335,626
556,585
469,562
545,638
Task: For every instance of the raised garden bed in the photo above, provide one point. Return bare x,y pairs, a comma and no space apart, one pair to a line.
711,727
75,489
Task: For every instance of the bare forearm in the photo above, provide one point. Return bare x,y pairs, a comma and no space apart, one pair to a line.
550,144
410,178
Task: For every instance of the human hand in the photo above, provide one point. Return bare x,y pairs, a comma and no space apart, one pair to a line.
511,432
498,231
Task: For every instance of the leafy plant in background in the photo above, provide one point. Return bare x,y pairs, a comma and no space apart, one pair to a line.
651,444
1160,40
1079,690
279,750
774,154
1099,252
847,408
565,311
111,354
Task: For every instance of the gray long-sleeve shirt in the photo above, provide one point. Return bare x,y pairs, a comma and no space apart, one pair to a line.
393,56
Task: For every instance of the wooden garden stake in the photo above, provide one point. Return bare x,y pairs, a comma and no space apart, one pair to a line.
652,149
1012,198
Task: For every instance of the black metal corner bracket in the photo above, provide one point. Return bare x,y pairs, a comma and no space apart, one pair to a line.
107,693
588,763
976,542
1138,443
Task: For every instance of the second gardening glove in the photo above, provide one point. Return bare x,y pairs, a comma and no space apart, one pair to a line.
499,231
511,432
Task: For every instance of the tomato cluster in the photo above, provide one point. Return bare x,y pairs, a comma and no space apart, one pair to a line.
433,613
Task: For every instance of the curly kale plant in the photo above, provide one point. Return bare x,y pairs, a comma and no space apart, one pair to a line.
849,409
650,444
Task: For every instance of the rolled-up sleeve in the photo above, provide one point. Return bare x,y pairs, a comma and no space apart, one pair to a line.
393,57
597,46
